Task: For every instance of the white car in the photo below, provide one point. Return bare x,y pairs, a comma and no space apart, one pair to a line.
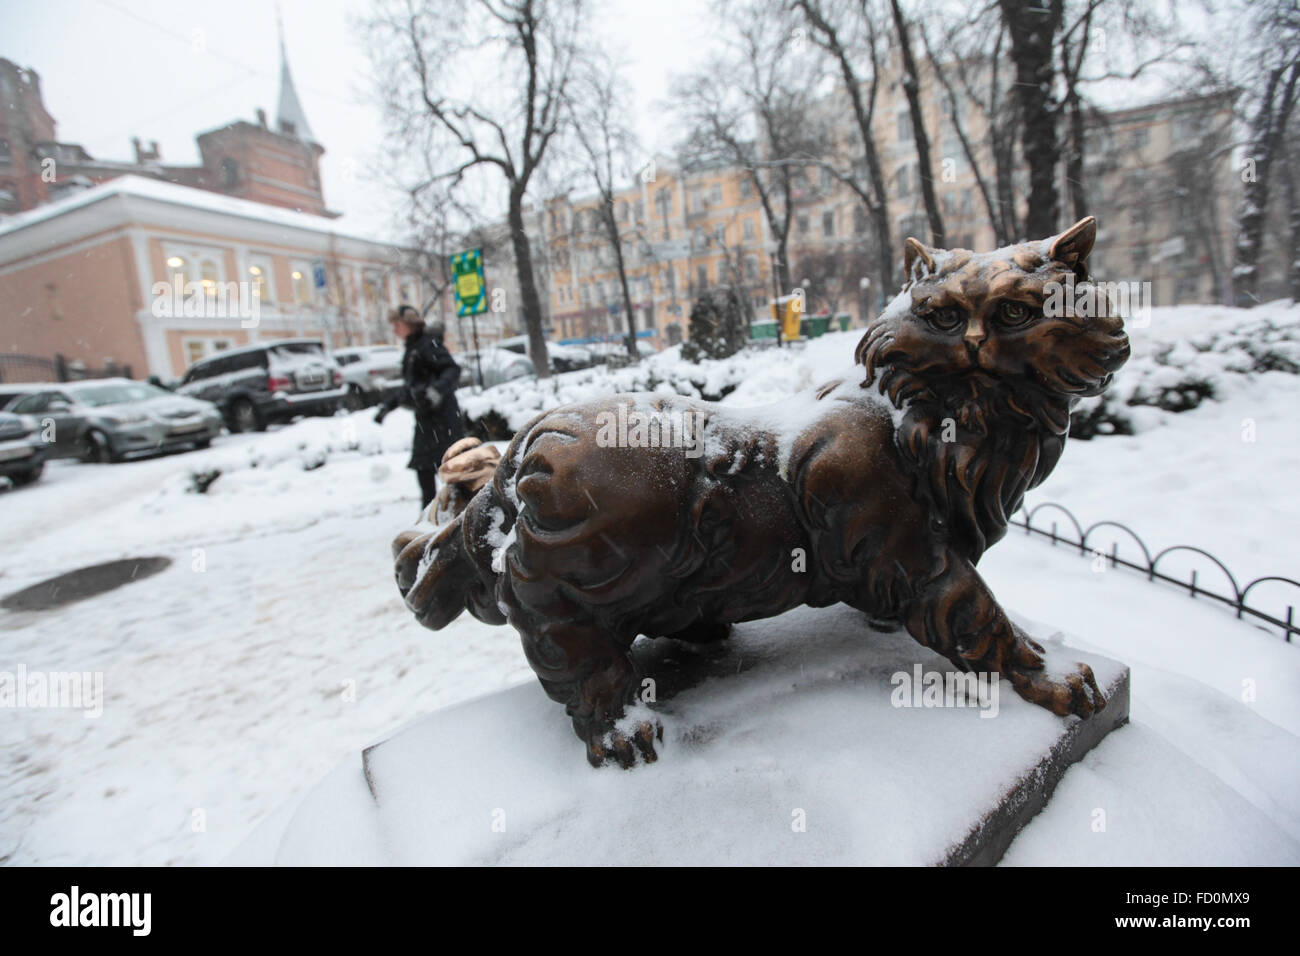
498,365
371,373
562,358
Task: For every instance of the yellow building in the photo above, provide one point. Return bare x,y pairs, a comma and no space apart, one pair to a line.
682,231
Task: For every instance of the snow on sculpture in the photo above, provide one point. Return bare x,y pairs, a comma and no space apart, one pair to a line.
880,493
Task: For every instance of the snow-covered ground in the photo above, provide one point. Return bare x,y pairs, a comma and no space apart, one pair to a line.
275,645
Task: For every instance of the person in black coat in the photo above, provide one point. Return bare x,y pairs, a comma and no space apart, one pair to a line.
430,376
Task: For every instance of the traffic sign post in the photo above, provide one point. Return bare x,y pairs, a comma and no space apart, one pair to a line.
471,294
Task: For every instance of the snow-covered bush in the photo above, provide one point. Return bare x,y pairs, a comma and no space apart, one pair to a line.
1184,356
717,328
1176,365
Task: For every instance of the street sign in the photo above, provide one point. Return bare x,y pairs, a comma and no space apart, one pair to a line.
468,282
318,275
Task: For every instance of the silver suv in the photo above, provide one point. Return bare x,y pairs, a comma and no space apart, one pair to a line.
272,381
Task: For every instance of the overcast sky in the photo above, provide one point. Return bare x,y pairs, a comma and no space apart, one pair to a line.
166,70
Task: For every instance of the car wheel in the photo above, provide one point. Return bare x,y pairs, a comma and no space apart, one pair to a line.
27,477
244,417
203,443
354,400
95,448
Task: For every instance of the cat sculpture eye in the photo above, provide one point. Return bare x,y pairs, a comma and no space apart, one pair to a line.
947,319
1013,314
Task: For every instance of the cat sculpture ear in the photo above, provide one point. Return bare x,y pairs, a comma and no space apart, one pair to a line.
917,261
1072,247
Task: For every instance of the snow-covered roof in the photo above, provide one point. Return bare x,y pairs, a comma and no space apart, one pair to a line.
162,191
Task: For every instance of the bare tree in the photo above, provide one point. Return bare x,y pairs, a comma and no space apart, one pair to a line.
921,138
971,149
851,40
1033,26
1273,93
754,110
966,56
597,107
1291,172
437,98
1150,39
831,274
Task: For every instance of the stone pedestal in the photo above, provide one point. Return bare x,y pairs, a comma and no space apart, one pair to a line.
806,739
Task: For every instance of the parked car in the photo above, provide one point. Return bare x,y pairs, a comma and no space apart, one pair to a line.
371,374
498,365
9,393
275,381
22,453
106,419
562,358
603,351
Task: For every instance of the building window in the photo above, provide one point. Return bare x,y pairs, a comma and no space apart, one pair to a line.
905,180
664,202
702,276
260,275
915,225
229,172
802,223
300,273
746,188
749,230
859,220
209,275
828,223
195,349
904,127
195,265
717,194
6,153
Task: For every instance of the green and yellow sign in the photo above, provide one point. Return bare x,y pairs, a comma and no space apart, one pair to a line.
467,280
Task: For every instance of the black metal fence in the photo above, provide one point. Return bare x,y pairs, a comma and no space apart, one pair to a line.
1151,565
15,367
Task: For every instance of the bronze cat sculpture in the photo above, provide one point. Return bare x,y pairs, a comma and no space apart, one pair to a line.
892,486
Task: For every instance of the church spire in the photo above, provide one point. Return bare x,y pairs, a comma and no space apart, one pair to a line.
289,118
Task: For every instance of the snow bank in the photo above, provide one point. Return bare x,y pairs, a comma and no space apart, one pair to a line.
1182,356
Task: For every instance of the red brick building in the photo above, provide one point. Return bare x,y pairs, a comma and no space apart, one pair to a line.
278,165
